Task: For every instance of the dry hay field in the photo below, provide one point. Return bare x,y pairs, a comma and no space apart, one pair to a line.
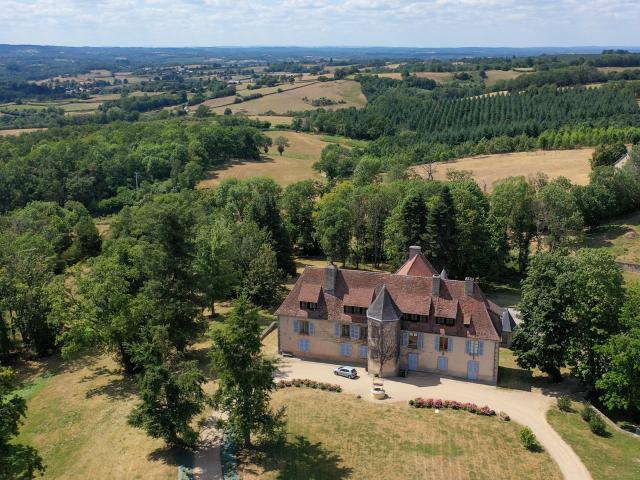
437,76
487,169
77,419
335,436
294,165
18,131
494,76
274,119
292,99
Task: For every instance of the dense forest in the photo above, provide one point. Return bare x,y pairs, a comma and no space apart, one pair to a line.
106,167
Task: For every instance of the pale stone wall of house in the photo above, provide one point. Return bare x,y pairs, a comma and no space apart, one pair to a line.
391,367
457,359
323,343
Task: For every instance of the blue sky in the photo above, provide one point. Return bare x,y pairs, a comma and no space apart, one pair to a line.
412,23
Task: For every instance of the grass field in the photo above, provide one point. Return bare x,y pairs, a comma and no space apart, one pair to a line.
511,375
76,419
17,131
621,238
337,436
487,169
294,165
292,99
437,76
274,119
613,457
494,76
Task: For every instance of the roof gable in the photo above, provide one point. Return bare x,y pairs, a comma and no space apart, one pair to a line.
417,266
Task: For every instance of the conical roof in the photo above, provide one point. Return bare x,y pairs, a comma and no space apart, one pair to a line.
383,308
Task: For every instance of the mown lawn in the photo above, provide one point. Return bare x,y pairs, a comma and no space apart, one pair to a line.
511,375
614,457
620,237
337,436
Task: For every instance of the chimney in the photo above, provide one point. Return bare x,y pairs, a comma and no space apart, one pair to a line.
330,274
414,250
435,286
469,284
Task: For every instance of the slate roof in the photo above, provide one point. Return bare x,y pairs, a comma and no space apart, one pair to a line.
384,308
475,316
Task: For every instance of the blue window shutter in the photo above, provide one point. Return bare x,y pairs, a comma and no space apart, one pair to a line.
342,349
405,339
312,328
467,344
450,349
354,332
437,343
338,330
363,351
480,348
421,341
296,326
349,350
301,345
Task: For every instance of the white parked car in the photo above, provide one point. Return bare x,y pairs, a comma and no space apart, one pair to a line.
348,372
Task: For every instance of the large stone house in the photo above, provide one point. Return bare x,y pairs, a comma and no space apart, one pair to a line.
414,319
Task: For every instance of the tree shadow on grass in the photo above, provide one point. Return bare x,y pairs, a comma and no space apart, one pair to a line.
117,386
173,456
298,459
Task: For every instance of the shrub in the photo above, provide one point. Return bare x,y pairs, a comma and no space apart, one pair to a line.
564,403
419,403
437,404
597,425
487,411
587,413
338,388
412,403
428,402
529,440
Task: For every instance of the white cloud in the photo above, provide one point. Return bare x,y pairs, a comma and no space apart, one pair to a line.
325,22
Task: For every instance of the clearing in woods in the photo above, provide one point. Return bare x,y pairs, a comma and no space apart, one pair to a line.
292,100
294,165
492,75
487,169
18,131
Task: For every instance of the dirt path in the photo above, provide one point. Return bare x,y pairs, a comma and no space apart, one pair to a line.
207,462
526,408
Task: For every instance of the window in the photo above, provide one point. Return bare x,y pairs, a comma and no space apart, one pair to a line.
364,351
445,321
413,340
444,344
345,349
303,327
414,317
345,331
363,332
475,347
355,310
308,306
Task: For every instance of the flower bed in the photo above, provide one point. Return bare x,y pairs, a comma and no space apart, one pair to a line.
453,405
305,382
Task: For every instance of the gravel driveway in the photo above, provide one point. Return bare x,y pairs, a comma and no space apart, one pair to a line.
526,408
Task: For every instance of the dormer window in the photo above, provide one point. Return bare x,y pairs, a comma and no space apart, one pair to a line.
350,309
445,321
414,317
308,306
